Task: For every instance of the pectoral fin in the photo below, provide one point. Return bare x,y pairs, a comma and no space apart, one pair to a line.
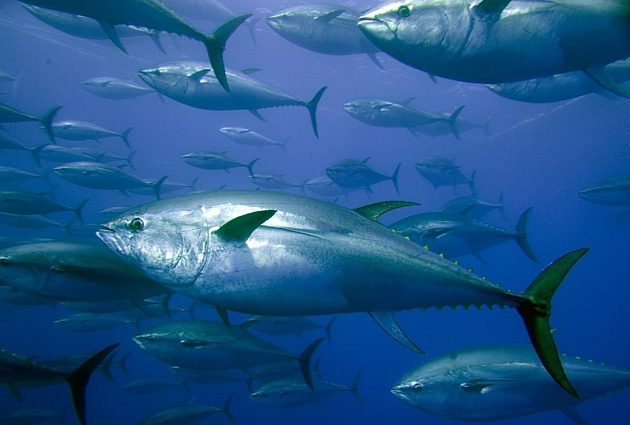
601,77
386,320
239,229
374,211
110,31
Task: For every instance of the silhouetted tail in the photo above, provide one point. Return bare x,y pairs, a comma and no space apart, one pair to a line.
78,380
536,309
305,361
215,45
46,121
452,121
395,178
521,235
312,108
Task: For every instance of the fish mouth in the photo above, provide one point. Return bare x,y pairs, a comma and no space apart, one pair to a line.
111,239
375,29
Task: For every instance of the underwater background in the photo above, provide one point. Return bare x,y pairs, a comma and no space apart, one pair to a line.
533,155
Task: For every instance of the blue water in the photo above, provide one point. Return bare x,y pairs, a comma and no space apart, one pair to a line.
538,155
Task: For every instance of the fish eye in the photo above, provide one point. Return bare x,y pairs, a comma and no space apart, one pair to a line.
4,261
417,387
404,11
136,224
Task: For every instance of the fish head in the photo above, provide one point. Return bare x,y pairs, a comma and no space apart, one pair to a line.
168,246
434,394
417,32
293,23
172,78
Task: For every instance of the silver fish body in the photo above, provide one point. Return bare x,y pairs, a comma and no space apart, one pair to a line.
500,41
323,28
190,83
277,254
494,383
613,191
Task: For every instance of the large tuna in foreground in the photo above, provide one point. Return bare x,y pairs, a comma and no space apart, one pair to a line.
285,255
501,382
498,41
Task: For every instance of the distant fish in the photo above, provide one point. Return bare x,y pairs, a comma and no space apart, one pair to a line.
96,175
66,154
150,14
190,83
324,28
152,385
82,130
324,186
8,78
354,174
187,414
289,393
472,206
501,382
165,187
91,322
9,143
72,270
273,182
31,221
204,345
559,87
383,113
274,325
613,191
443,172
454,235
29,203
16,370
10,114
246,136
12,175
114,88
197,376
215,161
31,417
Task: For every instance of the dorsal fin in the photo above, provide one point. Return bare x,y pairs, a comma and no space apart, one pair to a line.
387,321
240,228
374,211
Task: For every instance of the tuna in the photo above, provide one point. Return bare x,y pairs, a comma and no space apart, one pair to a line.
559,87
204,345
613,191
277,254
324,28
500,41
189,83
454,235
289,393
215,161
10,114
82,130
153,15
16,370
382,113
497,383
114,88
354,174
96,175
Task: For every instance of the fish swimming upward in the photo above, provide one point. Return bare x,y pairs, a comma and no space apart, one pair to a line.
15,371
501,382
278,254
150,14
